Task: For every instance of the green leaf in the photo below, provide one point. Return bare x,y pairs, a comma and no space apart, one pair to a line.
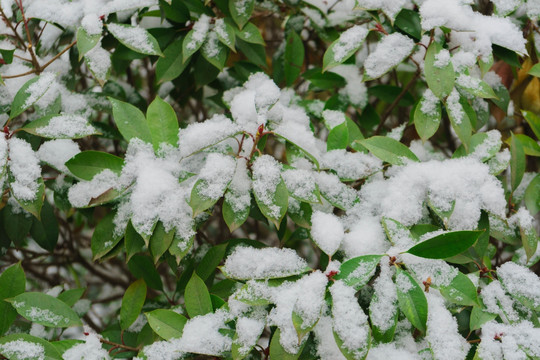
277,352
166,323
133,242
130,121
535,70
162,122
233,219
293,57
45,231
241,11
172,64
190,45
384,336
199,202
197,298
445,245
36,127
517,162
479,316
530,147
476,87
503,98
86,42
87,164
142,267
329,58
45,310
251,34
226,33
12,283
462,126
16,224
534,122
408,21
255,53
529,239
388,150
338,137
180,247
461,291
71,296
26,97
210,261
532,196
427,123
132,303
280,199
360,354
50,352
324,81
215,52
135,38
411,300
440,80
34,206
350,274
160,241
104,238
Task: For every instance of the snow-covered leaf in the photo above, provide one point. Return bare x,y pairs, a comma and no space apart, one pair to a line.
439,70
135,38
411,300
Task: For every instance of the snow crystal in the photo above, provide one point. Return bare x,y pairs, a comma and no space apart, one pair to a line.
266,177
132,35
390,51
454,107
365,237
24,166
506,6
520,282
327,231
301,184
238,194
57,152
21,349
442,59
266,91
300,135
442,331
327,348
219,28
518,341
38,88
248,331
66,126
403,283
386,351
335,191
199,31
383,307
198,136
163,350
349,40
83,192
92,24
201,334
349,320
251,263
440,272
333,118
351,166
482,151
89,350
99,61
38,314
389,7
498,302
429,104
355,89
216,174
212,46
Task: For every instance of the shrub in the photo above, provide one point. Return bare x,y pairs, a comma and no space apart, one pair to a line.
269,179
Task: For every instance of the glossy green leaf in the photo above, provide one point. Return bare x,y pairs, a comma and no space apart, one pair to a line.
226,33
529,239
86,42
210,261
388,150
535,70
411,300
439,79
104,238
534,122
445,245
530,146
357,272
16,224
233,219
34,206
338,137
196,297
199,202
166,323
71,296
251,34
460,121
172,64
517,162
132,303
142,267
162,122
280,199
408,21
130,121
45,231
293,57
427,122
190,45
479,316
277,352
215,52
12,283
532,196
330,59
50,352
160,241
85,165
135,38
460,291
45,310
133,242
241,11
27,96
476,87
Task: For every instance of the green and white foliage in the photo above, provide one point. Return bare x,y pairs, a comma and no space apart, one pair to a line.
244,179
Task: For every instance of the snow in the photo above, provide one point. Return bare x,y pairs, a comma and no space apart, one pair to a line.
442,59
389,7
326,231
134,36
440,272
365,237
248,331
201,334
429,104
83,192
498,302
21,349
219,29
38,88
348,41
24,166
57,152
66,126
199,31
212,45
198,136
520,282
513,342
37,314
335,191
390,51
386,351
92,24
327,348
99,61
216,174
349,321
454,108
333,118
383,307
251,263
355,89
89,350
238,194
266,177
301,184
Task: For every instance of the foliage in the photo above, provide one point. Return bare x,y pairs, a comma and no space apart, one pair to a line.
246,179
